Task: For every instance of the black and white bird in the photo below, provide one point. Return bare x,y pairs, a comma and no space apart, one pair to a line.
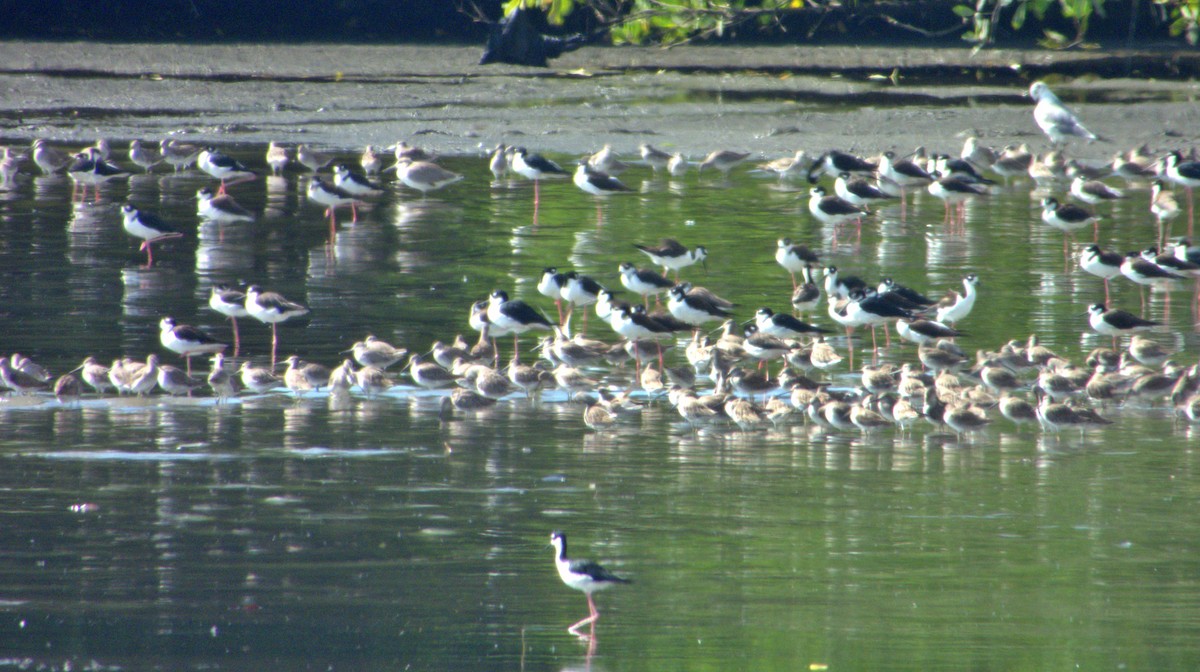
271,308
955,306
550,285
782,325
955,191
1055,120
793,258
858,191
514,316
596,182
220,208
355,183
1102,264
835,162
89,168
581,575
580,290
331,196
231,303
672,255
695,308
1068,218
924,332
149,227
1094,192
841,286
224,168
535,167
187,340
1116,323
831,209
642,281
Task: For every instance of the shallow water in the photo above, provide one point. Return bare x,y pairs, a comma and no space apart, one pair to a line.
182,535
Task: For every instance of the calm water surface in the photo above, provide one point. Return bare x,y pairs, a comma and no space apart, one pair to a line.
180,535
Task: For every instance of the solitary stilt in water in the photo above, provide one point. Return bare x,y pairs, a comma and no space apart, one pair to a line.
582,575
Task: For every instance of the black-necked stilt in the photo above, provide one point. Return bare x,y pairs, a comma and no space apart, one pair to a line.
924,332
311,158
633,324
580,290
693,307
955,306
857,191
1094,192
1116,323
906,297
874,310
222,208
550,285
955,192
178,154
782,325
89,168
1146,273
596,182
761,346
672,255
643,282
1171,262
355,183
723,160
959,169
835,162
1102,264
831,209
535,167
1187,175
425,176
1068,218
224,168
149,227
655,158
582,575
187,340
232,304
514,316
271,308
840,286
793,258
331,196
143,156
903,173
277,157
1055,120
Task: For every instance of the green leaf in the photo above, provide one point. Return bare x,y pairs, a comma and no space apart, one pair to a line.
1018,18
964,11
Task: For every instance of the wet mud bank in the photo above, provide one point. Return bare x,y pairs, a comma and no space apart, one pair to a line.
768,100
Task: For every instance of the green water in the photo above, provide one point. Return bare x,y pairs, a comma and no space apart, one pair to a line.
178,535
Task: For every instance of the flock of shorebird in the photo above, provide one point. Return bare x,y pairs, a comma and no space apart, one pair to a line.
944,386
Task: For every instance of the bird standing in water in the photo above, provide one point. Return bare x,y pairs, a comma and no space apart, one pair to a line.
583,575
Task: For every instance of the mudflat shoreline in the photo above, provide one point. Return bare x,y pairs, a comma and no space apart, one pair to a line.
767,100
